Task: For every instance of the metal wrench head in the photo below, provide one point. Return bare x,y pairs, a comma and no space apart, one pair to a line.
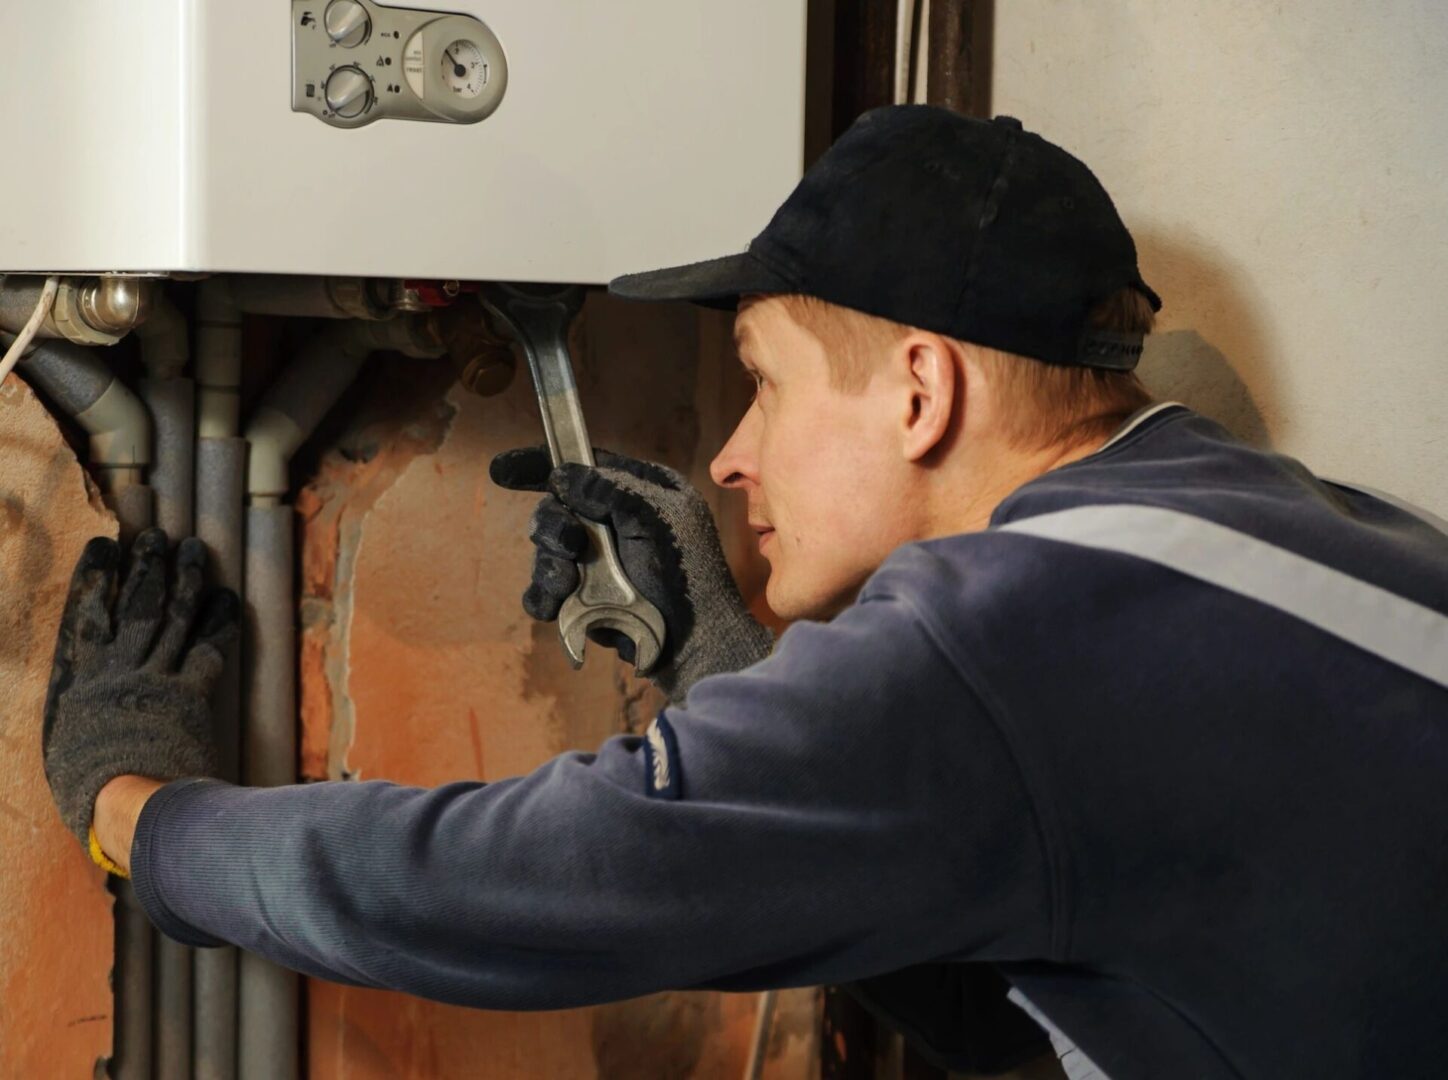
538,317
516,307
640,622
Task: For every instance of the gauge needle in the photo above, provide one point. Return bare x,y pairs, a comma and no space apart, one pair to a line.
458,69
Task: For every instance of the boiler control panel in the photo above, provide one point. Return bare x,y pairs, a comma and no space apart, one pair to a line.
354,62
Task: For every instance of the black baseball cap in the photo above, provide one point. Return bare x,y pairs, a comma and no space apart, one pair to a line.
977,229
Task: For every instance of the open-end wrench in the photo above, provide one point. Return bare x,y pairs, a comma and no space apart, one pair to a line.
538,316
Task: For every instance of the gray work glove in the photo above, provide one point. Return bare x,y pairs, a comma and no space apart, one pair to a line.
669,548
128,692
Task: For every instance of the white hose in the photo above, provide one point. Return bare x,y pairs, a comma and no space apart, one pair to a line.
22,342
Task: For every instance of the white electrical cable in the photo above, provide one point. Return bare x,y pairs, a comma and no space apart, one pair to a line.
22,342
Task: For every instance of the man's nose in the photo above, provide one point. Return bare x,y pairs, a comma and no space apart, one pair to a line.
736,466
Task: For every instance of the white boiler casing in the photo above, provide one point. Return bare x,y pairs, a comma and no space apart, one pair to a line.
159,135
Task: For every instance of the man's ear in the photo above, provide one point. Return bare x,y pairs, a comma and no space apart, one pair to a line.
931,379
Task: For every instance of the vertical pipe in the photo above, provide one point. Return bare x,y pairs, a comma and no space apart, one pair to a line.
220,477
173,411
290,411
131,1058
171,399
304,392
270,1030
220,481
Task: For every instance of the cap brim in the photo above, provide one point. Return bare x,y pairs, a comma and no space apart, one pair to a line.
1148,292
716,283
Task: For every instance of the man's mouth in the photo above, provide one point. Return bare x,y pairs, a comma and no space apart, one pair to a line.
764,531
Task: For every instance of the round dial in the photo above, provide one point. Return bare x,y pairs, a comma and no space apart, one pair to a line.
464,69
347,23
349,92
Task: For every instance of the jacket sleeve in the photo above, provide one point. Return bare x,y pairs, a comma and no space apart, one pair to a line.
844,808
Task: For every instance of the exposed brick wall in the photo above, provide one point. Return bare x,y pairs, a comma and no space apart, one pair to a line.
420,666
55,925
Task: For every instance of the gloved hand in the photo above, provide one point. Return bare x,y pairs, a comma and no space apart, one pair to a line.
128,694
669,548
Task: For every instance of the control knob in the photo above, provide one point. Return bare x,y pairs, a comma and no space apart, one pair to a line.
349,92
348,23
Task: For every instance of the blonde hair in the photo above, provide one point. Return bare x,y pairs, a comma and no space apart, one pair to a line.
1043,404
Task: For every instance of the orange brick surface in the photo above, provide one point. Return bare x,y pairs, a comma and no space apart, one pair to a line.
55,924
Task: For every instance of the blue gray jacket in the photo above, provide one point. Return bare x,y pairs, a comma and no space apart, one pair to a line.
1175,769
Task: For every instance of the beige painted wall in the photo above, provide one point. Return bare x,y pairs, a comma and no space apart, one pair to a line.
1284,167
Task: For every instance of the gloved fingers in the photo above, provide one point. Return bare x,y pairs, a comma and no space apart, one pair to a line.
618,499
650,471
525,469
141,605
597,494
555,530
218,626
187,581
87,618
554,581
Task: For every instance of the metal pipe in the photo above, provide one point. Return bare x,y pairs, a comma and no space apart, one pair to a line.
87,311
171,399
220,468
117,303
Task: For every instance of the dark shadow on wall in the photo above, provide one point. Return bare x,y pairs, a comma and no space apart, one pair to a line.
1180,365
1221,365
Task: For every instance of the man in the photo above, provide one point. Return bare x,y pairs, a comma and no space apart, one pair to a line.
1084,701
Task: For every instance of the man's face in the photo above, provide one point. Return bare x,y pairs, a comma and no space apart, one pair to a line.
829,492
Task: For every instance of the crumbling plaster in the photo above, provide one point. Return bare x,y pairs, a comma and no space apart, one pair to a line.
55,924
420,666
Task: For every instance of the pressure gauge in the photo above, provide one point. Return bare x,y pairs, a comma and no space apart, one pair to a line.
456,68
464,69
357,61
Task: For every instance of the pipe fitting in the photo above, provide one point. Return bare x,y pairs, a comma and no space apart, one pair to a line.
116,308
218,361
310,385
116,303
295,404
117,422
119,426
418,337
485,360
